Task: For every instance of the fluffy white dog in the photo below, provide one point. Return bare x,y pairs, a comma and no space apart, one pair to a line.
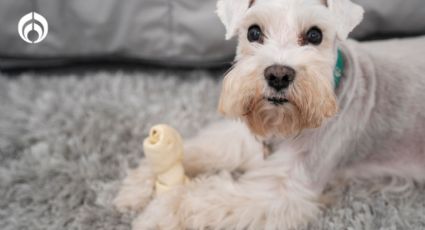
320,105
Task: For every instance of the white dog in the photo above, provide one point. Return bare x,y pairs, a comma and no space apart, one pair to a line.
323,105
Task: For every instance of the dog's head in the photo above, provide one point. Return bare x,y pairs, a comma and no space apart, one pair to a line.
282,79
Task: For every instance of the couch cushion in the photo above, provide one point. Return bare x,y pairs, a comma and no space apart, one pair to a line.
168,32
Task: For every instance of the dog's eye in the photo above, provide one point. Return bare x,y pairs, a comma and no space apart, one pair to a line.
314,36
255,34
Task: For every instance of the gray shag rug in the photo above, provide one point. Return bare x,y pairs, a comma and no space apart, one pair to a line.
67,140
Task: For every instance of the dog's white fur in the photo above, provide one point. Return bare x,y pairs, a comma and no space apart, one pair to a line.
372,125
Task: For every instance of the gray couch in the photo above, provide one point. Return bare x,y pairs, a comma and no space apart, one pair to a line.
176,33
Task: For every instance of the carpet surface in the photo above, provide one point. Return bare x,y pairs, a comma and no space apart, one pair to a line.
66,141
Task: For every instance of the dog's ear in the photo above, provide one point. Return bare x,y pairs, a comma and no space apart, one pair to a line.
231,12
347,14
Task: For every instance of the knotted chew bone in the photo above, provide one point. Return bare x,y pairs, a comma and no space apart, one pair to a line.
164,150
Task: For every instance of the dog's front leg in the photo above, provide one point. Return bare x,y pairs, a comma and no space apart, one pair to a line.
137,189
270,197
276,195
226,145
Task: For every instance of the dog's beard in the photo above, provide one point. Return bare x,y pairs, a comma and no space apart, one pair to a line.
307,102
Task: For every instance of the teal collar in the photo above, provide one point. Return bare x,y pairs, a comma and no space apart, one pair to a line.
339,68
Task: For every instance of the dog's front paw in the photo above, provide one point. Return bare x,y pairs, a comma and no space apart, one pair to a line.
162,213
220,202
136,190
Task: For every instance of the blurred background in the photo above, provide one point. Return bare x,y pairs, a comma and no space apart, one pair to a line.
179,33
75,107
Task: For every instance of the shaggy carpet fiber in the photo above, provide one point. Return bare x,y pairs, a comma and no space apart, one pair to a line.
67,140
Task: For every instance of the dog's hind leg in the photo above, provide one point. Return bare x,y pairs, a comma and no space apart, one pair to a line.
397,157
399,171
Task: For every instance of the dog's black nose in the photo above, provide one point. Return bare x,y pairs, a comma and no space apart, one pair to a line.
279,77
